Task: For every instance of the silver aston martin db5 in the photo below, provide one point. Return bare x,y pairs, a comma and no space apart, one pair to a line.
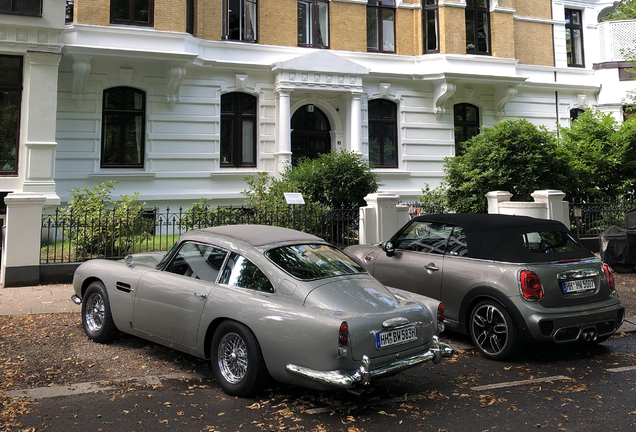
262,302
503,279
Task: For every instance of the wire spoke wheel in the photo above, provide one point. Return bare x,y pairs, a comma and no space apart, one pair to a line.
233,358
95,312
490,329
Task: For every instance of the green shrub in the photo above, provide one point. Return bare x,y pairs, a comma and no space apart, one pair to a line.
433,201
97,226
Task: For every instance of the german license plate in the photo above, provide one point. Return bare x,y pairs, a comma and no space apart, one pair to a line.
578,285
395,337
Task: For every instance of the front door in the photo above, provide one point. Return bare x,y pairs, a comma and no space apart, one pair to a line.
310,135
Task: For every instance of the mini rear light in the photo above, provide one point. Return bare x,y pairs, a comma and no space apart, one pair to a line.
610,276
440,312
531,285
343,339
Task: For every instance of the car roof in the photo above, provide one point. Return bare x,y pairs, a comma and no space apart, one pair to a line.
500,237
260,235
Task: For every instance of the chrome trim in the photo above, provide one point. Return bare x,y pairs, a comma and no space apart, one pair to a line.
76,299
364,374
577,274
395,322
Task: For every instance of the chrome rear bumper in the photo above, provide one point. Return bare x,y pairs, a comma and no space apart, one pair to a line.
76,299
364,374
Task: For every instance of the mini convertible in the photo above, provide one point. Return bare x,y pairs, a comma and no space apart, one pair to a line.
262,302
503,279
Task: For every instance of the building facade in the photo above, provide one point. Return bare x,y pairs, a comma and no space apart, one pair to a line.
182,99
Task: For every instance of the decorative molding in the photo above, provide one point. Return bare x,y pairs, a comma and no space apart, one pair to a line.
581,100
459,4
502,97
443,91
81,71
126,75
538,20
174,76
383,89
240,81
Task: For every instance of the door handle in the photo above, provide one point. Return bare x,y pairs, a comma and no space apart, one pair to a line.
203,296
431,267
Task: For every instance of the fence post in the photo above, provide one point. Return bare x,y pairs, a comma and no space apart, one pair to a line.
494,198
380,218
22,239
557,209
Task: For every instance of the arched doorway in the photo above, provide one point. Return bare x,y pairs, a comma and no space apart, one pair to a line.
310,135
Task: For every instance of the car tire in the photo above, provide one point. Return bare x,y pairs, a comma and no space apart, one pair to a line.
237,361
493,332
96,317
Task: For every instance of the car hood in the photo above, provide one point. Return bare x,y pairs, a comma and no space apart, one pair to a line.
359,294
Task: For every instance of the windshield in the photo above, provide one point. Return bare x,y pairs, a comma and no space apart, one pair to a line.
313,261
550,242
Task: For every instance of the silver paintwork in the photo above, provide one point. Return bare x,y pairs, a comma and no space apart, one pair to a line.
296,324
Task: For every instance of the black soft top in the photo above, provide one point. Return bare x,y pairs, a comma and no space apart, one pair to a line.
499,237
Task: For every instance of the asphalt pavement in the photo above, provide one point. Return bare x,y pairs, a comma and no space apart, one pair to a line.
57,299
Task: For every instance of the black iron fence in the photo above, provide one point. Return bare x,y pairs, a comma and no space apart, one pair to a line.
69,237
589,220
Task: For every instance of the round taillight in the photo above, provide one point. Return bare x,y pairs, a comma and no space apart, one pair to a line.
531,285
610,276
440,312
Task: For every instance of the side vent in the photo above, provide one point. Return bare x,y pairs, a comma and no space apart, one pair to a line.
121,286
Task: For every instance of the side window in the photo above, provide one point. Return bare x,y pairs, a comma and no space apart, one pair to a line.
241,272
466,123
313,23
477,27
123,128
457,245
239,20
428,237
574,37
10,101
381,26
430,22
383,133
198,261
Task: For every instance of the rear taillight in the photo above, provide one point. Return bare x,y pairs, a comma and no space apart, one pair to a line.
440,318
610,276
531,285
343,339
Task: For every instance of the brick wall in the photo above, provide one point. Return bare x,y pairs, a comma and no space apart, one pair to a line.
502,35
452,30
408,31
278,22
348,23
94,12
208,20
533,43
170,15
533,9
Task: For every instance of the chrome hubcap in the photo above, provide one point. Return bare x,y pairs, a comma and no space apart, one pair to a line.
95,312
490,329
233,359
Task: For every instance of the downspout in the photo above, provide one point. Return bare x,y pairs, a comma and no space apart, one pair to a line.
556,105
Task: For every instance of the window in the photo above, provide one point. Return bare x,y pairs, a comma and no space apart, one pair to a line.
238,130
575,113
477,27
313,261
241,272
313,23
629,111
136,12
430,21
198,261
550,242
69,11
239,20
383,133
21,7
428,237
123,128
10,98
381,26
574,37
190,12
466,125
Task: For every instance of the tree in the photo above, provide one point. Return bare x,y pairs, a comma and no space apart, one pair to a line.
624,11
513,155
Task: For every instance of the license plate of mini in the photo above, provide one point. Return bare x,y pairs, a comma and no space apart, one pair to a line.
395,337
578,285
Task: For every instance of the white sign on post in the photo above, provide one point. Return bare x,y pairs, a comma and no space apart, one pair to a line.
294,198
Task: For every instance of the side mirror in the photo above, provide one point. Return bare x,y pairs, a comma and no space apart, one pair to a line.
129,260
389,248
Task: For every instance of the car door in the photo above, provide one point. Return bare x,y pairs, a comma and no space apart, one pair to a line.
169,303
418,261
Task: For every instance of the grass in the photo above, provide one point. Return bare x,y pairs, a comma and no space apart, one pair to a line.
63,251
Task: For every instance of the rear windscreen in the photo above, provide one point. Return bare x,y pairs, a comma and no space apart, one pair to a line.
550,242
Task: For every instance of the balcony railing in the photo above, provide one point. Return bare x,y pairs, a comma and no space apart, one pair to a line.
615,37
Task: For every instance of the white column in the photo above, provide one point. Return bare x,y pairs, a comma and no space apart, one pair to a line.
355,136
22,239
556,208
381,218
494,198
284,153
39,140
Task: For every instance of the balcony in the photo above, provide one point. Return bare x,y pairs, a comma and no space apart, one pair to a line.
615,37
